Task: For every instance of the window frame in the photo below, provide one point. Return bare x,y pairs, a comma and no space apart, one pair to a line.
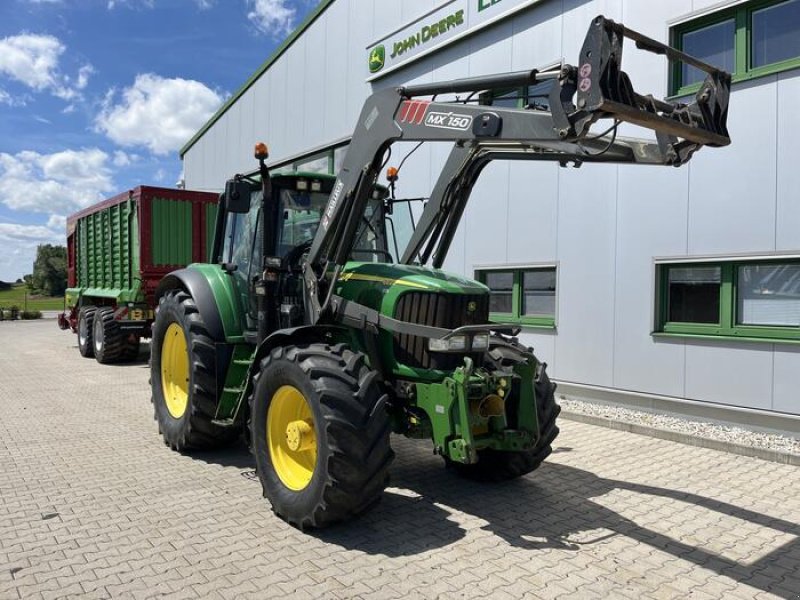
743,70
517,291
728,327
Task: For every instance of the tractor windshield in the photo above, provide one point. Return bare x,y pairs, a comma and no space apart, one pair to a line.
301,214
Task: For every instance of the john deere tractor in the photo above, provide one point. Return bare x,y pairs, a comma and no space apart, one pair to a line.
317,332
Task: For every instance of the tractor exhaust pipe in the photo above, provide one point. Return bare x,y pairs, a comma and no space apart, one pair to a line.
490,406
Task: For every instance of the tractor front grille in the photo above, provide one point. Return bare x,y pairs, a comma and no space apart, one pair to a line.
447,311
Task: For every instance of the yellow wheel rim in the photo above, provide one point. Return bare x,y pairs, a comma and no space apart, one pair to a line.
291,437
175,370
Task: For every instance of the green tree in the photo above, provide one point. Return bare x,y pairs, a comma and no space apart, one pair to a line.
49,270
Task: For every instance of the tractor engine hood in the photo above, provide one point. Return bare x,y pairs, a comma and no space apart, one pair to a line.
379,285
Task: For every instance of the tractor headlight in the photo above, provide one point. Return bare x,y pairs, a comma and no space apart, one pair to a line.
480,341
456,343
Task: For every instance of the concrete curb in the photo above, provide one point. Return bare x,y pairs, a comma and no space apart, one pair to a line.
785,458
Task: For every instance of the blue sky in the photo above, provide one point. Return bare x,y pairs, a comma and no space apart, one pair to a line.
98,96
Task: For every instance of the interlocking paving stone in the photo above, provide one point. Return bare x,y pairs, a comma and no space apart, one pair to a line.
93,505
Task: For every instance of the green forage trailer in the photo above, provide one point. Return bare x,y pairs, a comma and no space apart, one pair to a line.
117,252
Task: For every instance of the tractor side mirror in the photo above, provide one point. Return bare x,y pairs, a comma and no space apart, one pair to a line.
237,196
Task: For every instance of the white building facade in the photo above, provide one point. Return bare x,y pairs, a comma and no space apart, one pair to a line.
661,287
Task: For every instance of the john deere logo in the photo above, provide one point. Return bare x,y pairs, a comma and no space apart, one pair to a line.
472,307
377,58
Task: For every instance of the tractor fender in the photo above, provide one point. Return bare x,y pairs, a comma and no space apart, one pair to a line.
196,285
293,336
282,337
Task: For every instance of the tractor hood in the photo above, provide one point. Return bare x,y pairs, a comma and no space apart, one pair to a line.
379,285
406,277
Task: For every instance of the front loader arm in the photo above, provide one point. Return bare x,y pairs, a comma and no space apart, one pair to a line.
596,89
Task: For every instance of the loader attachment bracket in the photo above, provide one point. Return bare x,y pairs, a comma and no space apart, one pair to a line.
603,90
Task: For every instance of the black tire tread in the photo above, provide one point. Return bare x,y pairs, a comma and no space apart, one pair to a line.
87,313
113,338
356,430
197,431
494,465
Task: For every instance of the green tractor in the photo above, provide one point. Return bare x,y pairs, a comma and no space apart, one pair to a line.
317,332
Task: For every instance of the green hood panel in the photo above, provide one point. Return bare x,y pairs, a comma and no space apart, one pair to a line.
406,277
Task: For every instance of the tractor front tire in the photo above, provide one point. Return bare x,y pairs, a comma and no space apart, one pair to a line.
320,433
182,376
494,465
86,331
109,341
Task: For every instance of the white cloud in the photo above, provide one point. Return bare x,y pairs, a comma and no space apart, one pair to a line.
33,60
204,4
274,17
123,159
160,114
112,4
56,183
57,222
19,244
83,76
160,175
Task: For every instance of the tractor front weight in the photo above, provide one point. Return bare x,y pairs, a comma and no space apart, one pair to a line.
474,409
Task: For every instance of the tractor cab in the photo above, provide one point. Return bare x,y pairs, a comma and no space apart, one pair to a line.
279,221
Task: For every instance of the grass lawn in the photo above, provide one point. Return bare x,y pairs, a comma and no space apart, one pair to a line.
16,296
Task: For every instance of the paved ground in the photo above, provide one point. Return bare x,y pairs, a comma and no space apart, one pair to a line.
93,505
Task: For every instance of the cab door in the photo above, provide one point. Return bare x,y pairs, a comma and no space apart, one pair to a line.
242,250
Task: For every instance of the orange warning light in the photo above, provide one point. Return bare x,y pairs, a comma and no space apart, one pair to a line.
262,152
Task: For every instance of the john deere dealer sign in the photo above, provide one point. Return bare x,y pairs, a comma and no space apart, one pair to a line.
448,22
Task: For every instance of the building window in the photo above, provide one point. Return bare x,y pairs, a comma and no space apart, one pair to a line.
756,299
535,97
522,295
748,40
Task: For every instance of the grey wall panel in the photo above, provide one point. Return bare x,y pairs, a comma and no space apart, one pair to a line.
276,90
651,221
332,100
786,383
315,88
543,344
262,109
586,232
360,34
490,50
298,85
788,173
737,375
487,218
411,9
732,190
248,135
576,18
532,221
388,16
537,37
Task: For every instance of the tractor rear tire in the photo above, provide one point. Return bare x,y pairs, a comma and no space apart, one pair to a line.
86,331
108,339
338,466
182,377
495,465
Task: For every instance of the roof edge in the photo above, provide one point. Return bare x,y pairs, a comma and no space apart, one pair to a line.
277,53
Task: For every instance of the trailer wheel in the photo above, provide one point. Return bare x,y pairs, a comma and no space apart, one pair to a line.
320,434
182,376
86,331
108,340
494,465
